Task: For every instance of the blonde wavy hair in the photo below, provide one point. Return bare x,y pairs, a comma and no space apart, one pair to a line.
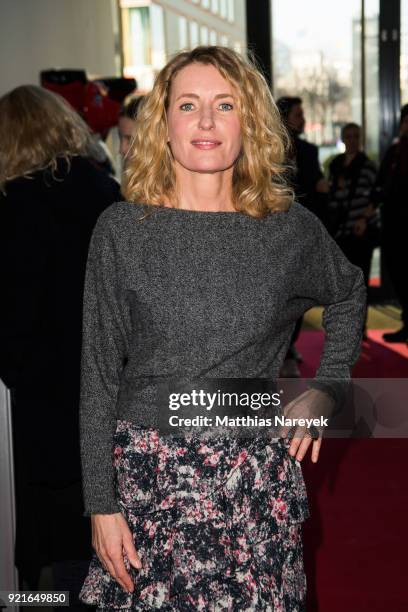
259,183
37,127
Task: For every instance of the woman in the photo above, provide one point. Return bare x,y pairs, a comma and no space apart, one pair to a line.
202,273
51,196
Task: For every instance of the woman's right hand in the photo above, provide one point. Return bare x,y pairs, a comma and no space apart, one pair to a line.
112,539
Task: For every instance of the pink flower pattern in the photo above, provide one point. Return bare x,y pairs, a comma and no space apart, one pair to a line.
217,524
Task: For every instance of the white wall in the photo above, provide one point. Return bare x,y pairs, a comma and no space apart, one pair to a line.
40,34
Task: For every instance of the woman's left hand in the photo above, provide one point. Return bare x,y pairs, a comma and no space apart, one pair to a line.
312,404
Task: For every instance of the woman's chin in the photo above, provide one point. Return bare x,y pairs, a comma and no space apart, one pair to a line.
207,167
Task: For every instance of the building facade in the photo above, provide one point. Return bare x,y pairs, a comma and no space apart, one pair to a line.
154,31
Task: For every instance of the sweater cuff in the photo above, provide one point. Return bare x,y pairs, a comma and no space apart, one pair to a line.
100,499
102,508
337,389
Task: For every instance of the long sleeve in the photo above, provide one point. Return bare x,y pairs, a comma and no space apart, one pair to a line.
106,324
331,281
341,291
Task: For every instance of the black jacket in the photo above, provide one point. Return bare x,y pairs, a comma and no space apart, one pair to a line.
392,186
45,226
307,174
46,223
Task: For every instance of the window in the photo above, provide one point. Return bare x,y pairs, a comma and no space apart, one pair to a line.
319,60
193,34
372,93
213,37
231,10
182,31
139,35
143,43
224,40
205,4
158,49
204,35
214,6
224,8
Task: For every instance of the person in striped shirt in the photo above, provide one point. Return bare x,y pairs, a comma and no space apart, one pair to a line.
354,219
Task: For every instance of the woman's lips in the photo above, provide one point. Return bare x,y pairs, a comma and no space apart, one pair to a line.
205,145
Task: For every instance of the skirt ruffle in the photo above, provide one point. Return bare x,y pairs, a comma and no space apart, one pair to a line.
216,523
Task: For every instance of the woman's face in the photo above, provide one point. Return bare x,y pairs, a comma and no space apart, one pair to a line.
203,125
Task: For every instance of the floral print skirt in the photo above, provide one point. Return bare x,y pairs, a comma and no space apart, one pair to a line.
216,522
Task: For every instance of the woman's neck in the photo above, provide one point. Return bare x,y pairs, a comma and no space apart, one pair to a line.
203,191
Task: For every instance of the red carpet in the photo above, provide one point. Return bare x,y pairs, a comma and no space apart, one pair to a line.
375,281
356,540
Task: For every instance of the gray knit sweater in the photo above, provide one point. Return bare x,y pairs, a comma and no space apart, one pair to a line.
200,294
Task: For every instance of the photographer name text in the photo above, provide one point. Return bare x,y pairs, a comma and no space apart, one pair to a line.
246,421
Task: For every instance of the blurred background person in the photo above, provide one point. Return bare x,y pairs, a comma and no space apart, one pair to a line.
355,222
51,196
98,152
127,124
310,188
392,192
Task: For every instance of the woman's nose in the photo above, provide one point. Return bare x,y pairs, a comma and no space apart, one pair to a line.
206,119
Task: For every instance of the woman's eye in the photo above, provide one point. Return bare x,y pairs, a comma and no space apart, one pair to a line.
189,106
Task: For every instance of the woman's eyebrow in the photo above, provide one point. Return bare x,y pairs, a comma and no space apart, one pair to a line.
192,95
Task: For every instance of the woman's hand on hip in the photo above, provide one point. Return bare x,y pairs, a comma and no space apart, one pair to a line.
112,539
312,404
